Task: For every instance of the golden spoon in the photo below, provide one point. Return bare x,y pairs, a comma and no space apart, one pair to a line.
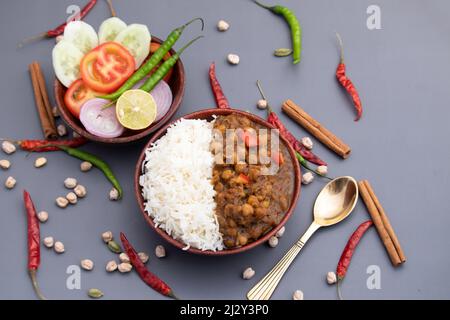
333,204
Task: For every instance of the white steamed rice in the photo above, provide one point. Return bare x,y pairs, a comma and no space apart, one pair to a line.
176,185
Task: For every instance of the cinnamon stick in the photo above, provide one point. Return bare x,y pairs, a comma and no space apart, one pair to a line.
382,224
43,89
316,129
42,102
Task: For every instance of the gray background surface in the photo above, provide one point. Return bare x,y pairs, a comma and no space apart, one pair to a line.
401,145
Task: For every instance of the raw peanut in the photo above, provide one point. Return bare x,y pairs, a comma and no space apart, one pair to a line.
160,251
323,170
298,295
123,257
5,164
8,147
273,242
107,236
72,198
70,183
85,166
59,247
248,273
42,216
113,194
262,104
62,202
280,232
233,59
48,242
143,256
307,143
10,182
111,266
331,278
124,267
62,130
87,264
55,112
307,178
40,162
223,26
80,191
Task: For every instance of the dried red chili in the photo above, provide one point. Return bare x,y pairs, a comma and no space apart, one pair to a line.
349,249
149,278
346,82
44,145
219,96
34,241
59,30
273,119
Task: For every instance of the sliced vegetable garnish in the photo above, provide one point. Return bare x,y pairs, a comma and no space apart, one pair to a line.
163,98
136,109
82,35
77,94
107,67
66,62
110,28
98,121
136,39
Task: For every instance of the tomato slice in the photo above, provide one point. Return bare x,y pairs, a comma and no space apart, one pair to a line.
153,47
77,94
107,67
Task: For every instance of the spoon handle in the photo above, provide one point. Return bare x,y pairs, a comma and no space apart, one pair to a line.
264,289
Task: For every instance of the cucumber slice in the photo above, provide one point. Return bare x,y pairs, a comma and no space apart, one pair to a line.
136,38
66,62
110,28
82,35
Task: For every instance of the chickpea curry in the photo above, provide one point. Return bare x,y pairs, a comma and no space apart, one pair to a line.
248,202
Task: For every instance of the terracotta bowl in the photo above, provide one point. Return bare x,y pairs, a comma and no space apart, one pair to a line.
208,115
177,84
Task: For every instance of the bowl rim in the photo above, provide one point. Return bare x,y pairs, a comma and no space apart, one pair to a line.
176,104
205,114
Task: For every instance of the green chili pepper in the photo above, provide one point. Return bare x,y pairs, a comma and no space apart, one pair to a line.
164,68
96,162
305,165
296,30
152,62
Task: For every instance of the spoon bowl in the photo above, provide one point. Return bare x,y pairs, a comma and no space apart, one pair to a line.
336,201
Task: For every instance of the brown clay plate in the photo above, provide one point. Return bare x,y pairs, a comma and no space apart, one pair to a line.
208,115
177,84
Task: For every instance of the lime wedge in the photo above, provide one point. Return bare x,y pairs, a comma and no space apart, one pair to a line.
136,109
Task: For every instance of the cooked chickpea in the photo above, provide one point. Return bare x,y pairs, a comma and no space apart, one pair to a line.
242,240
260,212
266,203
247,210
227,174
239,168
253,201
